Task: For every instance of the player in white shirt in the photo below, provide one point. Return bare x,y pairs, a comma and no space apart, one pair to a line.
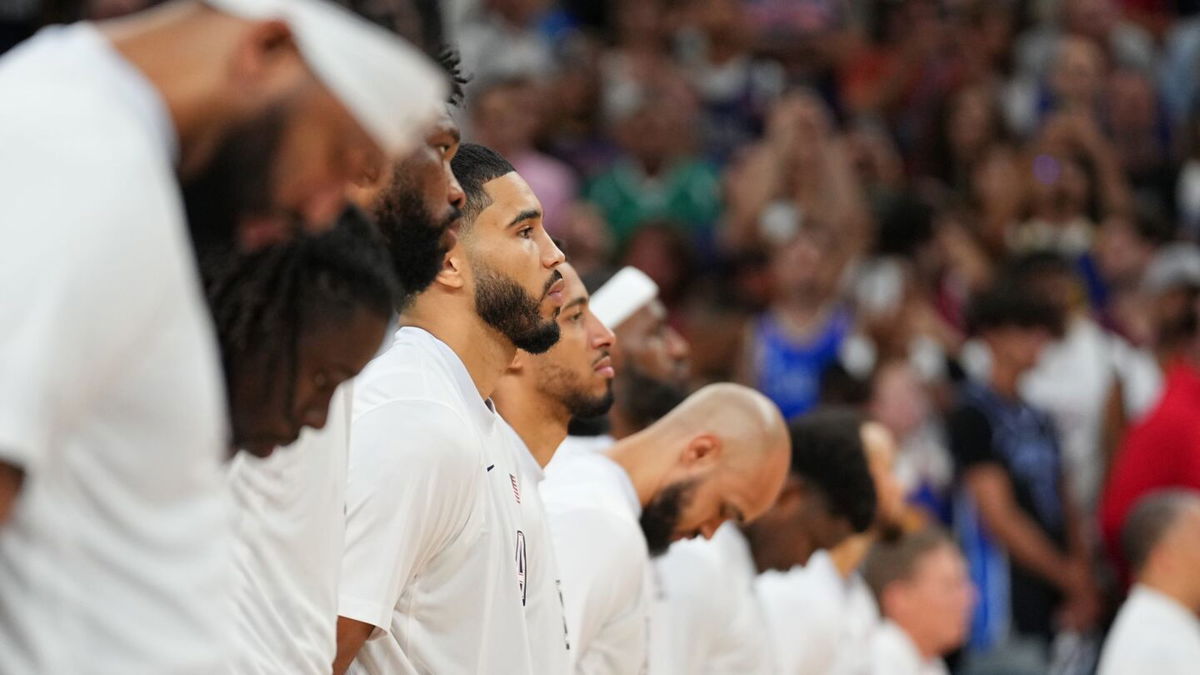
434,564
538,396
1156,630
921,583
829,495
650,359
115,551
720,455
292,505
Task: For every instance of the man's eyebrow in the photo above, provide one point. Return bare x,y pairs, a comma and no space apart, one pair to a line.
581,300
527,214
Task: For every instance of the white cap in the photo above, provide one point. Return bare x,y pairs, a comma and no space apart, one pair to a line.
387,85
624,294
1174,265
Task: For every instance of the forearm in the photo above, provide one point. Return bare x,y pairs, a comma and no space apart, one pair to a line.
1028,546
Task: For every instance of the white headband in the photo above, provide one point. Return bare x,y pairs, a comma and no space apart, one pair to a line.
624,294
387,85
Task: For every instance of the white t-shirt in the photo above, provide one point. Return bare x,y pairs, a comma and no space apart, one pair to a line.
586,443
860,620
431,557
707,618
602,556
116,558
1152,634
892,652
291,526
548,638
804,610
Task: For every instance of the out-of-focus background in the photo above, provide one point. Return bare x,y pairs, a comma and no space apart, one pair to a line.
819,187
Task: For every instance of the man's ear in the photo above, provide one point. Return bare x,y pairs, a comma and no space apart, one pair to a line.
265,61
702,451
454,270
517,365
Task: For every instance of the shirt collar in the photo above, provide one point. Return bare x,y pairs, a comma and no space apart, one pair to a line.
481,410
129,84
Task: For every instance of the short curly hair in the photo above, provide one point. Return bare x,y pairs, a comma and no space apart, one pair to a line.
828,456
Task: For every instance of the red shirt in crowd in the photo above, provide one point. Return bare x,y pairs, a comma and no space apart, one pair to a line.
1162,451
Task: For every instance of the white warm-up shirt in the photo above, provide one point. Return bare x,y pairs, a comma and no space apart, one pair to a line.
116,556
707,619
1152,634
602,556
860,621
892,652
548,638
291,525
804,609
431,557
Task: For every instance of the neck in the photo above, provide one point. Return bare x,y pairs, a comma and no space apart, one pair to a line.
619,425
1178,587
848,555
1005,379
646,457
540,422
925,647
175,48
482,349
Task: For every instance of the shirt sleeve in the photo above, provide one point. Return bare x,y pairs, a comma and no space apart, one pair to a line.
411,482
970,439
686,620
81,274
603,591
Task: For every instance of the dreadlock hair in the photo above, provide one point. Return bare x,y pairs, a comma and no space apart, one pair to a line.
263,302
451,61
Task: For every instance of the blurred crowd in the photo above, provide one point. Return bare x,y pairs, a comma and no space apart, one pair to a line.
975,220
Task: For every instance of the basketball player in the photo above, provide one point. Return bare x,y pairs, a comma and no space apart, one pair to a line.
433,569
115,554
721,455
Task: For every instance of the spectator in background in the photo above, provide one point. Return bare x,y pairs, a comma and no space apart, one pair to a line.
506,114
502,40
574,131
1156,630
1119,42
735,88
1007,456
1121,253
1140,135
925,596
657,175
1162,451
1187,187
970,124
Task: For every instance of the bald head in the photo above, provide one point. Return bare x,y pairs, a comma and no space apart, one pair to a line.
1153,521
749,425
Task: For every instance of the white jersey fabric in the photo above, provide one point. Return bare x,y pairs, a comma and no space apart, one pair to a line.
586,443
707,619
431,557
860,620
116,557
291,528
1152,634
593,511
548,638
892,652
804,609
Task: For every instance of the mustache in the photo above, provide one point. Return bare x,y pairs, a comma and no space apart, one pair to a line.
603,355
554,278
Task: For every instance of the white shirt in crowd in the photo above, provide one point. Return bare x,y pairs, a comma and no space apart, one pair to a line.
892,652
593,510
706,618
804,609
548,638
291,528
432,546
1152,634
116,557
860,620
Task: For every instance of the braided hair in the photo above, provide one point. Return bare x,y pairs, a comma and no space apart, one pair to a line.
263,302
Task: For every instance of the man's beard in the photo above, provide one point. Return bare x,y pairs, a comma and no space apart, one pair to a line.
235,185
508,308
660,518
560,385
646,399
418,244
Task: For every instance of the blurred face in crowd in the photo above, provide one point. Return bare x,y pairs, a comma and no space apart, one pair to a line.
283,161
709,485
1018,347
880,446
577,371
1078,75
271,412
1120,253
972,123
506,116
518,289
934,604
899,400
418,207
1058,186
